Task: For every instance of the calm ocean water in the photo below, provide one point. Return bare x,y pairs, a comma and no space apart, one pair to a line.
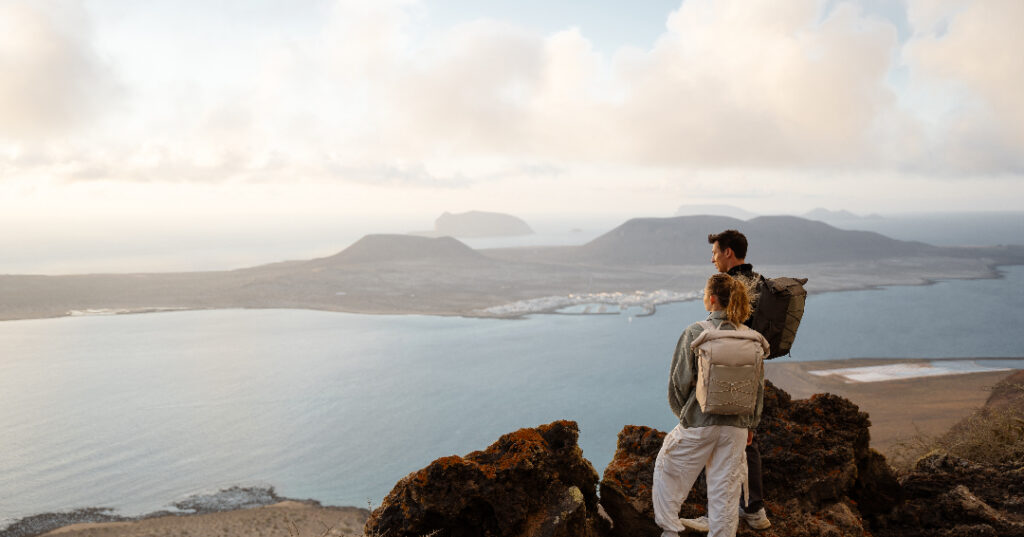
137,411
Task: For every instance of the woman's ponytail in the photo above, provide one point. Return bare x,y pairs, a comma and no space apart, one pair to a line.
732,295
738,309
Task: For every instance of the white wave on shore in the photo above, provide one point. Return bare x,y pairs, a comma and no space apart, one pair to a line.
882,373
643,299
121,311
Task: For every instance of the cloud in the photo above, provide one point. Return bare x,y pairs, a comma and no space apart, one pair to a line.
469,92
730,84
969,53
53,80
759,84
372,98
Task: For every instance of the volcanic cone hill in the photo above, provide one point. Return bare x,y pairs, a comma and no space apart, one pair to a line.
773,240
403,248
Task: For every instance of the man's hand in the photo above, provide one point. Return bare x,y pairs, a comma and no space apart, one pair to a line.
750,436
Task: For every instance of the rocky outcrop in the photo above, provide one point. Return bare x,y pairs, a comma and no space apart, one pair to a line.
950,496
40,524
533,482
820,476
978,491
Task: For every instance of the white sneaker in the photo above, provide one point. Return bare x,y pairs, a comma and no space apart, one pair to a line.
697,524
757,520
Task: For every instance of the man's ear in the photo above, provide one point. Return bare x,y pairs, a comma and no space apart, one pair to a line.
729,254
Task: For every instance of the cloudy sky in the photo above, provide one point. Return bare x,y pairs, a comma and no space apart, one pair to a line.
143,113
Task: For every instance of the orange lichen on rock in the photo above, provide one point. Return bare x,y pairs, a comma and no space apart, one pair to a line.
530,481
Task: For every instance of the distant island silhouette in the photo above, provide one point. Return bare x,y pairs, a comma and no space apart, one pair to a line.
477,224
644,261
841,216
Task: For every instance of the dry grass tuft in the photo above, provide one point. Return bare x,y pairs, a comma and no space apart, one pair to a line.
993,434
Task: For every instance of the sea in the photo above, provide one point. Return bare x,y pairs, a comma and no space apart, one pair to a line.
136,412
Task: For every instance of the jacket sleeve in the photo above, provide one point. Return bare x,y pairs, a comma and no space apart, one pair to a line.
760,405
681,375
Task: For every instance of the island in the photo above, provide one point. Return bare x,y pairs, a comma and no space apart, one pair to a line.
477,224
641,263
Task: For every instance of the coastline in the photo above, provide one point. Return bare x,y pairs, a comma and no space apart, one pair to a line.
900,409
466,296
285,518
233,511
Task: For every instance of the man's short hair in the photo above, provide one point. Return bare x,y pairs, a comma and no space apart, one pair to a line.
730,238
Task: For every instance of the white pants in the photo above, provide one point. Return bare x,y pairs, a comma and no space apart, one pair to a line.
719,449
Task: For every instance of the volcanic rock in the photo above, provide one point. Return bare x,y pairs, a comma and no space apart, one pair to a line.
948,496
972,483
820,477
532,482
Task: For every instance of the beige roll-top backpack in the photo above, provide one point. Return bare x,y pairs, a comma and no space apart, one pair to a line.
730,369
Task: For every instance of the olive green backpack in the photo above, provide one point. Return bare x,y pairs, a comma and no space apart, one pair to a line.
779,307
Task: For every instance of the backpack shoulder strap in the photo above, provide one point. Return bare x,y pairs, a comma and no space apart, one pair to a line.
708,326
728,322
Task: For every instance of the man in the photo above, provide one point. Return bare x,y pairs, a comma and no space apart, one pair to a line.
728,253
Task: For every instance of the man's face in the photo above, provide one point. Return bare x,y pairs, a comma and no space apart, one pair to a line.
722,259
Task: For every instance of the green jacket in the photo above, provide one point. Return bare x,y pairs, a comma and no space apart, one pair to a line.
682,382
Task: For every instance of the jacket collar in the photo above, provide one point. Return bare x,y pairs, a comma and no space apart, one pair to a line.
745,269
720,314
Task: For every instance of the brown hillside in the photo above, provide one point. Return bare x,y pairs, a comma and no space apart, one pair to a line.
397,248
773,240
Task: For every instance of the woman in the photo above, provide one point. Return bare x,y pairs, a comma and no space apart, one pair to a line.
703,440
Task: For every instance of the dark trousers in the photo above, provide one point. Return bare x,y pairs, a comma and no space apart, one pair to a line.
754,479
